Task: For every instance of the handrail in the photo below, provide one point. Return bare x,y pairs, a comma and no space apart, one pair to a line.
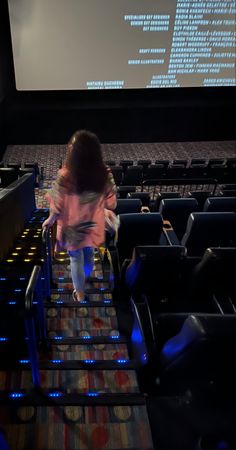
31,288
45,233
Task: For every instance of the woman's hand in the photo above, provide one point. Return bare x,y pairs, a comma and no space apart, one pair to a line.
49,221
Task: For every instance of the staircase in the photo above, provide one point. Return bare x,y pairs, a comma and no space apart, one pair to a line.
89,396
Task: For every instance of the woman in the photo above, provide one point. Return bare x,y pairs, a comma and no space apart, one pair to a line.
83,188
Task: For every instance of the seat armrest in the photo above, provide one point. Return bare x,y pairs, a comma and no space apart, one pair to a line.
169,233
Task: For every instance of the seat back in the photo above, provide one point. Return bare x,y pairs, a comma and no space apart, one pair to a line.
204,348
117,172
215,274
177,212
7,176
133,175
143,196
209,229
219,204
155,271
128,205
137,229
122,191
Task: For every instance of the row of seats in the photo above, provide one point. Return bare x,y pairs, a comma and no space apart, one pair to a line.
135,175
13,171
229,162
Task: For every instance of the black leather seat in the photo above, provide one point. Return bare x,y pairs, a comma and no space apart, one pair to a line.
209,229
163,195
128,205
133,175
214,277
204,349
154,171
124,163
218,204
7,176
177,212
117,172
137,229
143,196
122,191
200,196
154,271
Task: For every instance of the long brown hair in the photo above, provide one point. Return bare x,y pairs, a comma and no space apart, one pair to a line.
85,169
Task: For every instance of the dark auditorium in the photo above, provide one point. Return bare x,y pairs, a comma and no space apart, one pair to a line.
117,225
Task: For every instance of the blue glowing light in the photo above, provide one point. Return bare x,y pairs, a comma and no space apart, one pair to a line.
223,445
86,337
89,361
55,394
59,302
56,361
83,301
24,361
11,303
61,278
3,279
136,336
115,336
122,361
22,278
92,394
107,301
58,338
16,395
17,290
102,289
3,339
60,289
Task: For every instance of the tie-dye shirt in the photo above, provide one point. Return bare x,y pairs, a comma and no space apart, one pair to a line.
81,218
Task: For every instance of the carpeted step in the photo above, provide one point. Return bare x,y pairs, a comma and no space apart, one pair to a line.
80,311
95,351
95,286
76,427
96,326
92,297
73,381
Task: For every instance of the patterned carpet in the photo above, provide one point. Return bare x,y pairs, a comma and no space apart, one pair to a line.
76,427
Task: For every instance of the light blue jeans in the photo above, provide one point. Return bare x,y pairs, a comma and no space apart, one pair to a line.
81,262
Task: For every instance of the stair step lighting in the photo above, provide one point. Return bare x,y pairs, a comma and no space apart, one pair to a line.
55,394
16,395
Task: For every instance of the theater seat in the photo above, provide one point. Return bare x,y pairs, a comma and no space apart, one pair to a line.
177,212
204,349
154,271
209,229
143,196
220,204
137,229
128,205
